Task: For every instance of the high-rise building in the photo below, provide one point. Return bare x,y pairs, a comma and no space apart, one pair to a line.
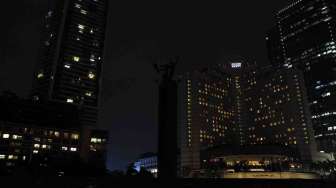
304,37
238,106
276,111
69,69
209,101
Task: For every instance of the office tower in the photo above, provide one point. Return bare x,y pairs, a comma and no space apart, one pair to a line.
69,68
276,111
304,37
209,113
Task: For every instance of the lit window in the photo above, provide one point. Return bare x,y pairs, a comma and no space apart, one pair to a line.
81,26
77,5
49,14
76,58
91,75
36,145
37,139
57,133
35,151
67,66
75,136
70,100
326,94
64,148
83,12
40,75
89,94
44,146
94,140
5,136
73,149
24,158
16,137
2,156
10,156
92,58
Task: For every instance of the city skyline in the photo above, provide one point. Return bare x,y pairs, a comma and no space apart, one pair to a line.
129,82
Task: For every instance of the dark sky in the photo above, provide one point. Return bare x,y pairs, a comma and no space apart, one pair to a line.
201,33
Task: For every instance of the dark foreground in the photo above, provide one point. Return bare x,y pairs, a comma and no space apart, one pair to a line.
74,182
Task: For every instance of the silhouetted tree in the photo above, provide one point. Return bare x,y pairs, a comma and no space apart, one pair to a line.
144,173
131,171
117,174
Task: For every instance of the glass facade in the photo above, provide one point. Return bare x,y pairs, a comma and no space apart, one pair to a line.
305,38
69,70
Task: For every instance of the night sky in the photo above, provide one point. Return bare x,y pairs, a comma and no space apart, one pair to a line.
201,33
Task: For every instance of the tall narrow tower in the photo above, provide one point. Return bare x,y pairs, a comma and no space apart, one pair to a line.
69,68
167,142
304,38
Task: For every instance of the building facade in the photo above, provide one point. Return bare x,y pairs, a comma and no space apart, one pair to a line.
148,161
276,110
241,105
304,37
69,68
209,101
46,133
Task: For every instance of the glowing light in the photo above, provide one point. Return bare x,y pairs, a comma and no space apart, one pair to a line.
70,100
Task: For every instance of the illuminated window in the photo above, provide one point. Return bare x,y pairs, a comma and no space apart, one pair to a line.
77,5
2,156
67,66
37,139
64,148
73,149
35,151
75,136
81,27
96,140
91,75
326,94
36,145
83,11
40,75
89,94
92,58
70,100
57,133
16,137
93,140
76,58
24,158
10,156
5,136
44,146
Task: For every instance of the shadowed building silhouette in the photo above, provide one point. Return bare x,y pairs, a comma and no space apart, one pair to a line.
167,151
